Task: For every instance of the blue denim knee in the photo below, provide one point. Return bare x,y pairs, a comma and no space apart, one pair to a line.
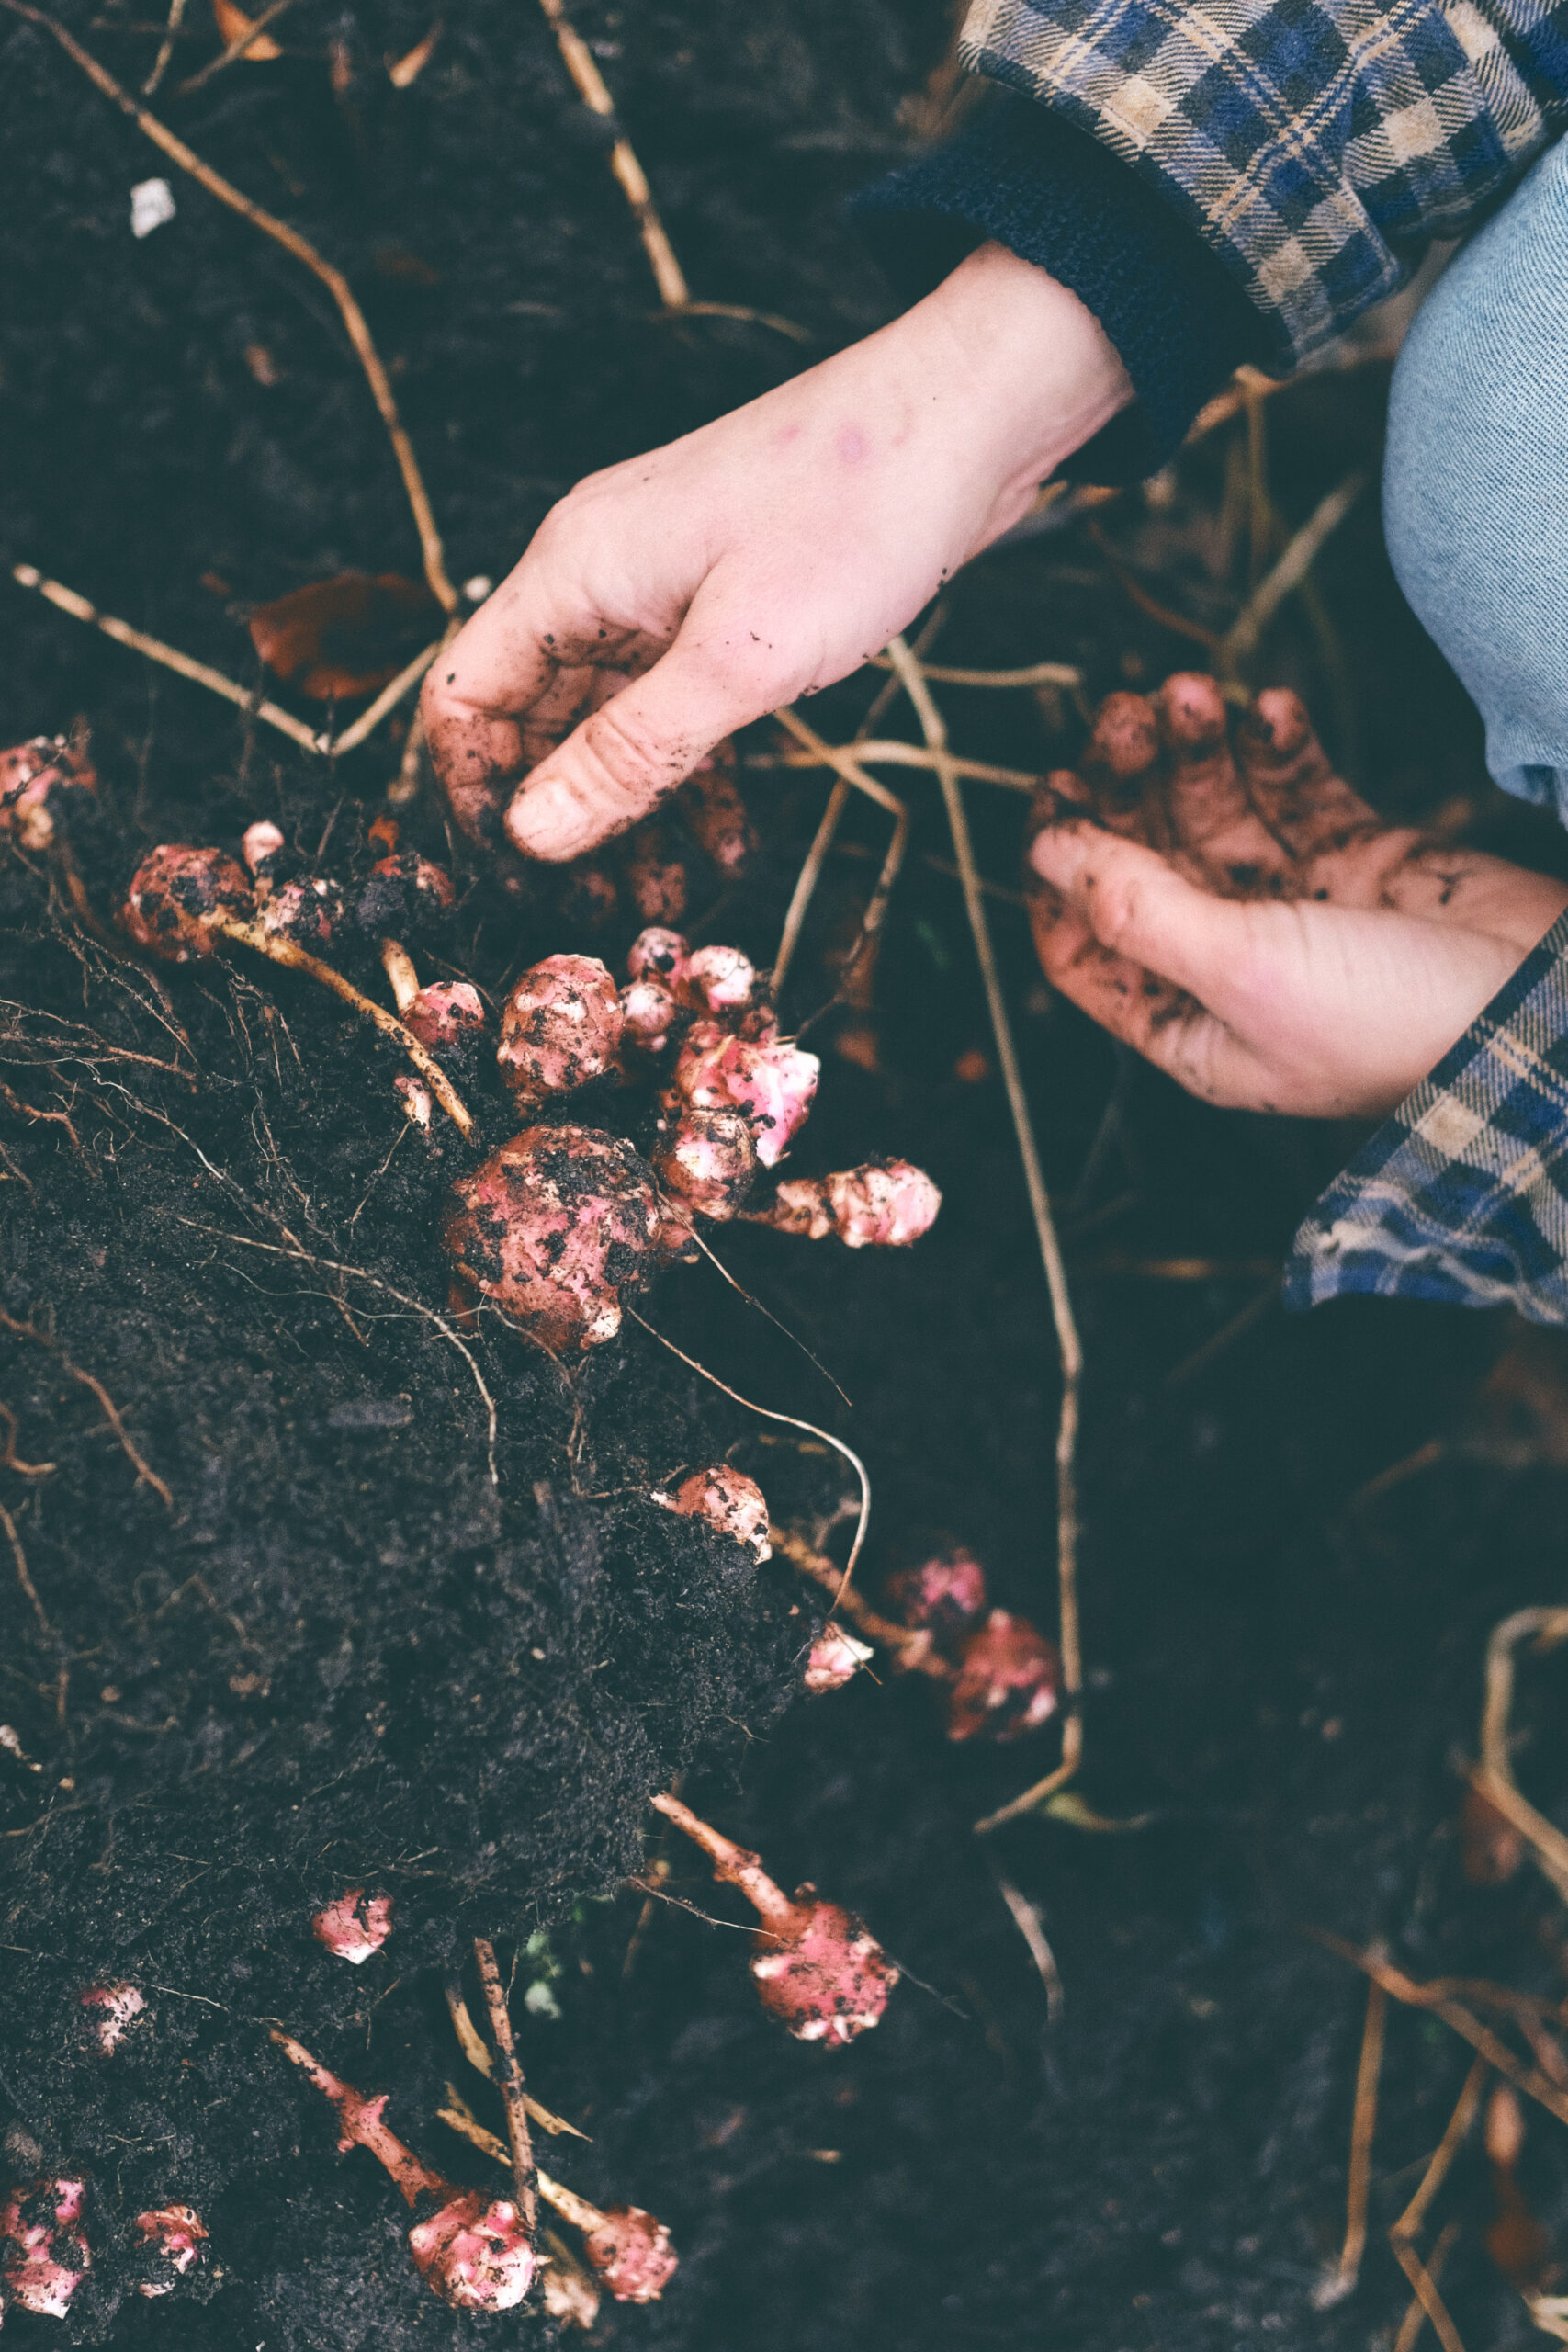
1475,482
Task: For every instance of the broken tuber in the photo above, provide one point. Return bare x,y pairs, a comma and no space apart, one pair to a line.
817,1968
442,1016
630,2250
109,2010
354,1926
836,1658
946,1593
707,1162
30,773
729,1501
774,1083
172,2239
44,2254
472,2251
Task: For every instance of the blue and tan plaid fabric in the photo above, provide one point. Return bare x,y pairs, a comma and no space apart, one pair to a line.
1462,1194
1316,146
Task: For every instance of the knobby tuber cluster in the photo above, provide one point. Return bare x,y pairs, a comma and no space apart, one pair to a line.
562,1222
999,1676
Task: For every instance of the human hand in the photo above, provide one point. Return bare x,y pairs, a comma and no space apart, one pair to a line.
671,599
1246,921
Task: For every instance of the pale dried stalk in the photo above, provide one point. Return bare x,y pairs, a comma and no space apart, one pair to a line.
566,2201
169,657
1427,2295
334,281
1242,640
475,2050
240,46
847,767
395,691
1415,2318
1447,2149
892,753
1494,1776
1033,673
508,2082
578,59
1069,1346
165,46
1364,2123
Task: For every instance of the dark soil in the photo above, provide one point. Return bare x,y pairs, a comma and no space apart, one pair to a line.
340,1657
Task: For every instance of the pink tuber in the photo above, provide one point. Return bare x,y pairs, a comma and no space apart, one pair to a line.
29,774
946,1593
817,1968
472,2250
404,895
307,910
110,2010
887,1205
707,1162
354,1924
1007,1681
719,980
172,2235
729,1501
259,845
836,1658
443,1016
648,1013
560,1028
773,1082
552,1227
182,902
44,2254
630,2250
658,954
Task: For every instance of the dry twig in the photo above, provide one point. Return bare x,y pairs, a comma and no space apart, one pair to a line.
475,2050
910,1652
847,766
1494,1776
239,46
333,278
1241,640
165,46
578,59
168,657
1342,2280
508,2080
1427,2295
1068,1347
1454,2135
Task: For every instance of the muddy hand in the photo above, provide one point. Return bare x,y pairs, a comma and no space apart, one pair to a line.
671,599
1214,896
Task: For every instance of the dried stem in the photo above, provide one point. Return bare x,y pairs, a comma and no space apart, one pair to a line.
1068,1348
1242,640
853,776
1416,2314
239,46
1364,2123
1027,1920
911,1652
169,657
295,958
24,1575
475,2050
165,46
1427,2295
578,59
1447,2149
566,2201
1034,674
509,2083
11,1460
398,690
890,753
1438,2002
1494,1776
304,251
144,1472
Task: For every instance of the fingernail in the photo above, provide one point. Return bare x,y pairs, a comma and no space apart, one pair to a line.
545,821
1060,854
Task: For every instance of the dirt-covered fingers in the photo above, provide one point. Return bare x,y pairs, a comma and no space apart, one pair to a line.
1288,782
1123,768
1208,812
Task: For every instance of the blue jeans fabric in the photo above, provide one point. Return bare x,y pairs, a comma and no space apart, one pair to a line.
1475,482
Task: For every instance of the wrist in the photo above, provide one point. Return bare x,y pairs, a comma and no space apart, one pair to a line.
1031,373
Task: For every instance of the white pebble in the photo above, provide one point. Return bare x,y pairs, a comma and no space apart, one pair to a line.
151,203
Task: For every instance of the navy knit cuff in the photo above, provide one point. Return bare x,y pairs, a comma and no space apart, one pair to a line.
1023,176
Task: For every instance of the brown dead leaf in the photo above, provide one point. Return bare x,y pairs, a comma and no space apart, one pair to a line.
233,25
1515,2241
1490,1847
336,638
401,71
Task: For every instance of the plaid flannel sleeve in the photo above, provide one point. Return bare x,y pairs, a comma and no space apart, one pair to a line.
1462,1194
1315,145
